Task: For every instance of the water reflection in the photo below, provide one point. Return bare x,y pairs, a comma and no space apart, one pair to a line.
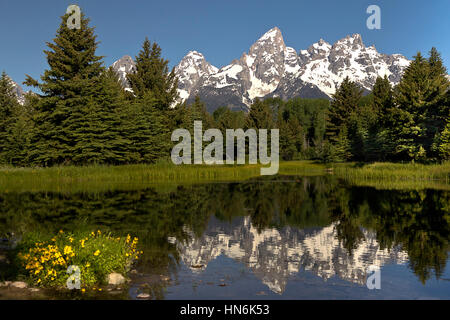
274,255
275,227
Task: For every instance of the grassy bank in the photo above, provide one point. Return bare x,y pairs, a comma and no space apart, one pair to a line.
134,176
384,171
100,178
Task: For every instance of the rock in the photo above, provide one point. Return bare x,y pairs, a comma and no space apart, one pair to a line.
116,279
6,283
143,296
19,284
34,290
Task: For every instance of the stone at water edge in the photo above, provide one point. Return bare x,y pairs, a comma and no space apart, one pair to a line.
19,284
116,279
143,296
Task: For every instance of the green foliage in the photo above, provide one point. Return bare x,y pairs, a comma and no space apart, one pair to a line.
345,102
45,261
9,111
261,115
420,97
76,117
197,112
225,118
444,145
152,76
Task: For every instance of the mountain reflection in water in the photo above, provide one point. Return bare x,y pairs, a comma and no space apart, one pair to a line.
274,228
273,255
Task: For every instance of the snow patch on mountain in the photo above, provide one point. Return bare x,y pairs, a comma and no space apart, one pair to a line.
124,66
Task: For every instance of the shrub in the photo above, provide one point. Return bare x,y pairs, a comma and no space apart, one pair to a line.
46,261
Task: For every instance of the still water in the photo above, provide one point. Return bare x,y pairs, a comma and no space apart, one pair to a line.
272,238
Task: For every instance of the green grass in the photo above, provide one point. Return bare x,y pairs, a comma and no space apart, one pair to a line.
167,175
384,171
102,177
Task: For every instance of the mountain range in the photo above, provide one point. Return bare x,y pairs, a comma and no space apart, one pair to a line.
271,69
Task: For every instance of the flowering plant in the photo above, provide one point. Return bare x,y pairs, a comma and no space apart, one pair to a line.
95,254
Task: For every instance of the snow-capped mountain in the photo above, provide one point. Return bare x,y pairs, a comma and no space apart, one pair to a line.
327,65
189,71
270,68
18,91
124,66
275,255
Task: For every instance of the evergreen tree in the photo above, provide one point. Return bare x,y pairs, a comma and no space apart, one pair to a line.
343,108
438,112
20,129
260,116
225,118
8,109
420,97
291,137
100,129
154,93
345,101
153,123
342,148
383,98
197,112
444,145
73,117
152,75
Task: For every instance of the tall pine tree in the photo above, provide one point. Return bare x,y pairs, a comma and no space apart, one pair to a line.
343,107
74,121
421,113
8,109
152,75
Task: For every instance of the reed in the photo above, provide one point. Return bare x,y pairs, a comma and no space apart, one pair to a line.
167,175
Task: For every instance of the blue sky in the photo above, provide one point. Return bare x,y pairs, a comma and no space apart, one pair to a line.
221,30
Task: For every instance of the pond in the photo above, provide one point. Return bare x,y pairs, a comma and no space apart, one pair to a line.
284,237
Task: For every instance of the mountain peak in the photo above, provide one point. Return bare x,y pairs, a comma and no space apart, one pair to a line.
124,59
357,38
194,53
122,67
272,35
353,40
271,42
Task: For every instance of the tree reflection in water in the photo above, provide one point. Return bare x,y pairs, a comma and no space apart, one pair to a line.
275,226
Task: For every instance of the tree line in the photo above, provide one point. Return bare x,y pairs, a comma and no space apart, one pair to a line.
84,116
